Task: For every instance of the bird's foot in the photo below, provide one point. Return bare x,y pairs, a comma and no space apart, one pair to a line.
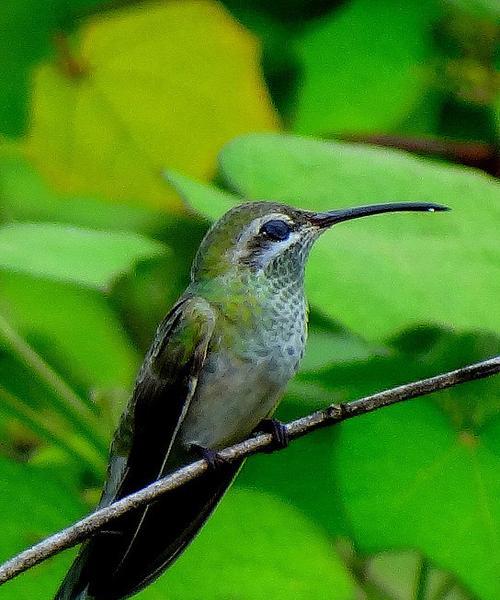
278,431
214,460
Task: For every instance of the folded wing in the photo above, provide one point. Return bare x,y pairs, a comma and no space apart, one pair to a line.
119,562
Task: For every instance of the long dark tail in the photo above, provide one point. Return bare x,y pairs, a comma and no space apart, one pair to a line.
69,587
118,563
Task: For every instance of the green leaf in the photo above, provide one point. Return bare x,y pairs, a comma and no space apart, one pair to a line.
399,574
206,200
408,479
255,546
490,434
313,488
24,39
34,502
24,196
496,110
87,257
326,347
423,474
148,87
73,328
28,36
484,8
363,66
258,541
471,405
392,272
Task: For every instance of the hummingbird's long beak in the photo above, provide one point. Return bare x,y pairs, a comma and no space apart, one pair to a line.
331,217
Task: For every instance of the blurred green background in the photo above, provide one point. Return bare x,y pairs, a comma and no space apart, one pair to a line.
125,128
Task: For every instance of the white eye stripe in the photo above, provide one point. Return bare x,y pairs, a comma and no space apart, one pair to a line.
255,248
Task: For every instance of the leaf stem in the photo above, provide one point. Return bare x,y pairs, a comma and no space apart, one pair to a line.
16,408
421,579
68,404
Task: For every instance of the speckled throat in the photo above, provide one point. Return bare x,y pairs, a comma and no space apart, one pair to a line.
256,348
264,311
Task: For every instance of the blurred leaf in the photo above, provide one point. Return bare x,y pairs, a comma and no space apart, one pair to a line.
276,35
482,8
145,296
363,66
289,12
392,272
469,406
396,572
326,347
497,116
148,87
28,28
24,196
491,434
18,380
207,200
302,475
257,542
263,548
45,427
414,355
34,502
73,328
87,257
407,479
24,39
414,475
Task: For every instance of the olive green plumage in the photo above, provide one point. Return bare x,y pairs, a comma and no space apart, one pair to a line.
217,367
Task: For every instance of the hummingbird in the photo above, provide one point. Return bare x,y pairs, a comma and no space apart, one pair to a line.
214,374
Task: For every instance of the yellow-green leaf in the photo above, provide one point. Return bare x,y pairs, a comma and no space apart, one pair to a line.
160,85
84,256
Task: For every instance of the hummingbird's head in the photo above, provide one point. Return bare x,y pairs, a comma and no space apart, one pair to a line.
274,238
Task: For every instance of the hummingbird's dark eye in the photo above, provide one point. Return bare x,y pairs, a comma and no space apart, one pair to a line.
276,230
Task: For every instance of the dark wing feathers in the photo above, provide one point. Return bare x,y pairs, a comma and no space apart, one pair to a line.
115,564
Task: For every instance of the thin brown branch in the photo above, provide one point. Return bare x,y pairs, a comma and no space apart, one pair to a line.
477,154
333,414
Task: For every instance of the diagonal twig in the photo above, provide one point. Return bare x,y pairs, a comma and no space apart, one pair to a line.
333,414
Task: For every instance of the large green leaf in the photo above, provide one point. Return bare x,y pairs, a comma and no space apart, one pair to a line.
363,66
163,84
253,546
24,196
73,328
391,272
424,474
34,502
408,479
256,546
28,36
88,257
